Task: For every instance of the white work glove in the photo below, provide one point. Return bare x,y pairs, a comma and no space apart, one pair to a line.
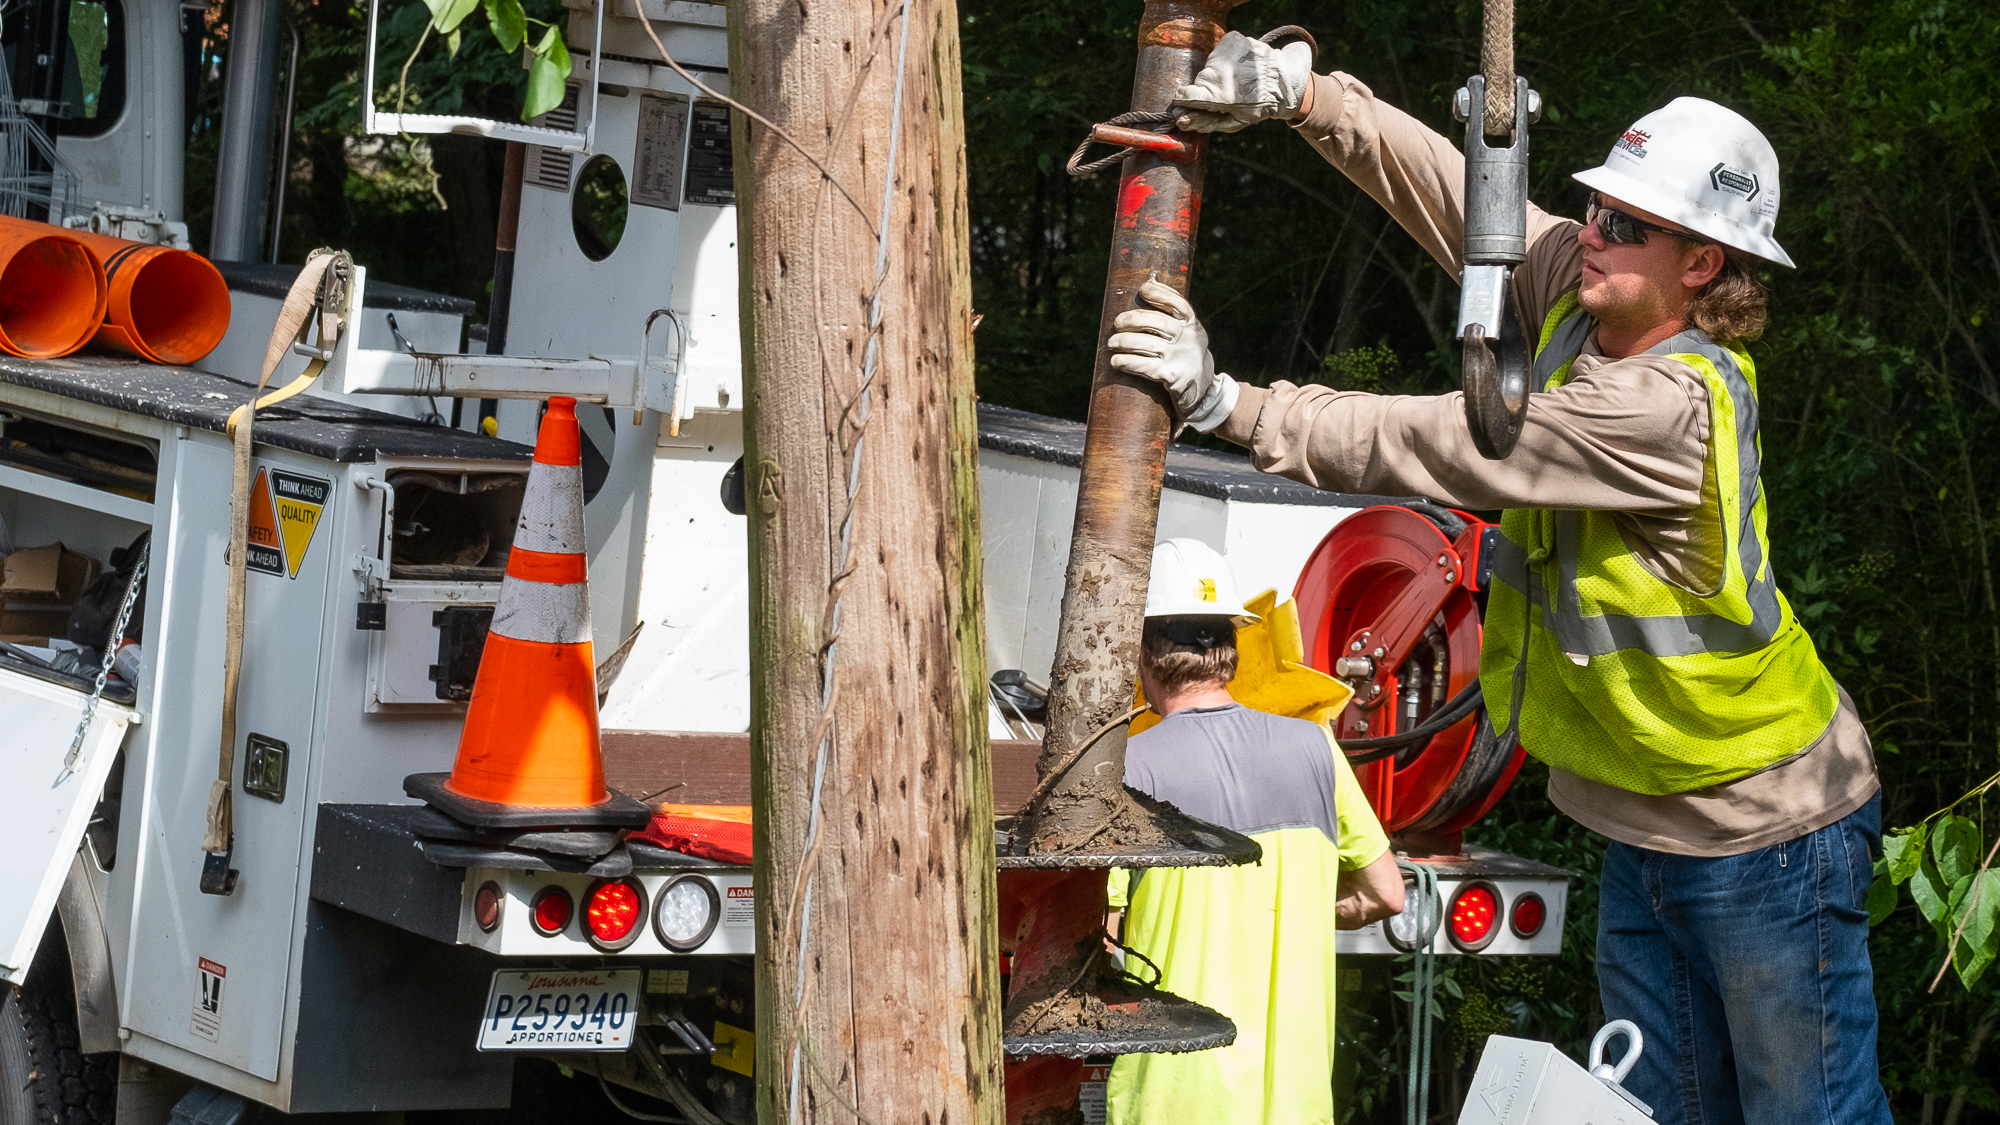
1169,346
1245,81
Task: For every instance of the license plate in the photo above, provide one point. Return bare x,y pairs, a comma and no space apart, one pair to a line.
561,1010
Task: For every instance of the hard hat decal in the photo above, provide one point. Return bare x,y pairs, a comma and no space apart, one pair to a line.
1729,179
1634,142
1190,578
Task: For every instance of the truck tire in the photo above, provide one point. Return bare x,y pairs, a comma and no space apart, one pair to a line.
44,1078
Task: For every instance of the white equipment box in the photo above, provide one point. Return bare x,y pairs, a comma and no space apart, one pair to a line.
1526,1082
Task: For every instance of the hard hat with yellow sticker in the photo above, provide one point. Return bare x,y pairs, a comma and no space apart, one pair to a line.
1190,579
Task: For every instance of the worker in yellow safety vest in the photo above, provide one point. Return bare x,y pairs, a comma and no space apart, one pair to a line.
1255,942
1635,635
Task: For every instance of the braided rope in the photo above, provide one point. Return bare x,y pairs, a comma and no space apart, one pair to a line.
1496,62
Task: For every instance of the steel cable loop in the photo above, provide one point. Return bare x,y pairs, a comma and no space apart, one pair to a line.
1496,62
842,565
1159,122
1429,915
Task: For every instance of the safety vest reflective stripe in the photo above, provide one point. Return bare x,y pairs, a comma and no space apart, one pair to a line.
1672,634
1563,336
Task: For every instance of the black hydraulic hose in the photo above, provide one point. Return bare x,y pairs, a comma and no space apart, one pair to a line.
1361,751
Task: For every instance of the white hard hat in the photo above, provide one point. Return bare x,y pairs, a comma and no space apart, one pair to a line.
1700,165
1189,580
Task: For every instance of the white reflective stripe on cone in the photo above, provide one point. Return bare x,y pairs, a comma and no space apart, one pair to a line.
546,612
552,510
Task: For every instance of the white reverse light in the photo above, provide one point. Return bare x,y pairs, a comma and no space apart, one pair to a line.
685,913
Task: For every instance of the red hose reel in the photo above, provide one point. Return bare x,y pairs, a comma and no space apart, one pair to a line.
1389,603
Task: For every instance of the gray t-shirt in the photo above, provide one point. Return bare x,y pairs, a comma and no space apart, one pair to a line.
1241,769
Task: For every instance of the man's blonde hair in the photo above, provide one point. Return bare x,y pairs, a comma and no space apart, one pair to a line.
1733,305
1180,660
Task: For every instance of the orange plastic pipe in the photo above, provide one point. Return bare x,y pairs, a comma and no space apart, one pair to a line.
166,305
52,290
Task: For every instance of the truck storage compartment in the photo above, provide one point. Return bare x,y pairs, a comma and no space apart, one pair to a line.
75,514
450,536
454,527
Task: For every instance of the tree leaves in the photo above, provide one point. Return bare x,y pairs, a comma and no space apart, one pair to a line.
1955,846
1881,894
446,15
547,75
510,23
548,69
1946,883
1903,850
1980,943
1931,895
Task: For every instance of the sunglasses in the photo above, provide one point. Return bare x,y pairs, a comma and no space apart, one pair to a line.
1618,227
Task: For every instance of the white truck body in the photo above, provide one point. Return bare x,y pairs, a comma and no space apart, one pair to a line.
328,984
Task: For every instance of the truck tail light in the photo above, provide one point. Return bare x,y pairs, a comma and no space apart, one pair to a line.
486,906
1528,915
551,910
1474,917
613,913
685,913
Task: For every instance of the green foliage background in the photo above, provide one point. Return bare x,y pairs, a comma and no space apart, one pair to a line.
1876,382
1879,396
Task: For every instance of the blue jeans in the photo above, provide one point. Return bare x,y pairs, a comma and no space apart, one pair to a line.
1749,977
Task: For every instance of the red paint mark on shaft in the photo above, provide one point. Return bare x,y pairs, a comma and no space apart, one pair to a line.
1132,195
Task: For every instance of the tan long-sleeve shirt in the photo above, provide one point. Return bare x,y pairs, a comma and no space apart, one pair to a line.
1628,436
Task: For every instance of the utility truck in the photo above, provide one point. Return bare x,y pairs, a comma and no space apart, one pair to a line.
329,962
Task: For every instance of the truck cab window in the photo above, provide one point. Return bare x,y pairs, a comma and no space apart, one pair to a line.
93,62
94,81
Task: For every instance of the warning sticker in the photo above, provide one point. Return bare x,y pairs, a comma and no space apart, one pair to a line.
266,550
300,500
207,1021
739,906
1090,1099
656,172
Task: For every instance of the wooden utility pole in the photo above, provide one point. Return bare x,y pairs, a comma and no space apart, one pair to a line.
877,967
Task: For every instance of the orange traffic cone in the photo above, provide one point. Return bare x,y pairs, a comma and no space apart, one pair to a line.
529,754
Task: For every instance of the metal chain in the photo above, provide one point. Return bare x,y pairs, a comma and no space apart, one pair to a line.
111,644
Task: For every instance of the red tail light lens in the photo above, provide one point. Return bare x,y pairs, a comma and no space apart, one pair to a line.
1528,915
551,910
486,907
613,913
1475,916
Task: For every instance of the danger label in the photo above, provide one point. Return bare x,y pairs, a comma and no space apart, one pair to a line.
1090,1096
285,511
207,1021
739,906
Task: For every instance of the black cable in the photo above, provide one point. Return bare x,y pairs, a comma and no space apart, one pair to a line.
627,1110
1453,713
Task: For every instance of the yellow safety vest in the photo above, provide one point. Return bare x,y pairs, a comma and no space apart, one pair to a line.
1631,680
